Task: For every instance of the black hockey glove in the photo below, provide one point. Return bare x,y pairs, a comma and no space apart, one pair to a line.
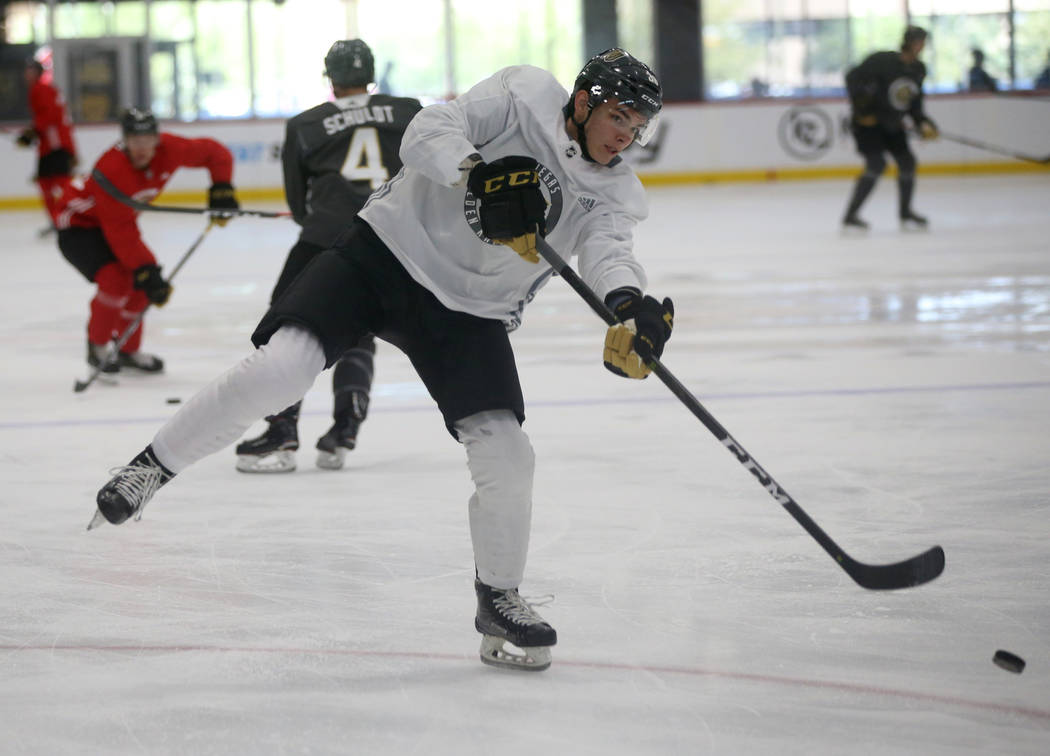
222,197
645,326
148,279
510,203
26,137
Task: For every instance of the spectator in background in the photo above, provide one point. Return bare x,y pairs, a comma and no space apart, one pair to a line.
1043,80
980,80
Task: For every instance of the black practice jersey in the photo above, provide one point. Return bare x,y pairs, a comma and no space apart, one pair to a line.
883,89
336,154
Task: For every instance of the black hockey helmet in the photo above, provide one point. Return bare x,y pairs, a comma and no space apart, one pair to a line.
137,121
349,63
617,73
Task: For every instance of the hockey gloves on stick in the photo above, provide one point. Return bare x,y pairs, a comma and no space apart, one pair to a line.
928,129
148,279
221,197
511,204
25,138
645,326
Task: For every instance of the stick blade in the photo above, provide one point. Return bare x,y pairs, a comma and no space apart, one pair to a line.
920,569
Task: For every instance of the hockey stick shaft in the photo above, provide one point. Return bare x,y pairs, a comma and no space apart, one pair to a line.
119,196
80,386
914,571
993,148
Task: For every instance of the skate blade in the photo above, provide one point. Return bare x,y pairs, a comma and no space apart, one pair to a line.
331,460
912,227
853,231
97,520
532,659
277,462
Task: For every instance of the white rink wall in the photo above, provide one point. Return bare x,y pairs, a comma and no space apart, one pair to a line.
697,142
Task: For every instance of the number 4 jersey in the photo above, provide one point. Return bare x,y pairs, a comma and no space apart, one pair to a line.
336,154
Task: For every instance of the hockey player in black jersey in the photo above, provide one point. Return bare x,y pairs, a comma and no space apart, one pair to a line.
883,89
335,155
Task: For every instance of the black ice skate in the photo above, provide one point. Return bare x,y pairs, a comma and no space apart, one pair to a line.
333,445
130,488
853,224
504,617
911,221
144,363
101,356
273,451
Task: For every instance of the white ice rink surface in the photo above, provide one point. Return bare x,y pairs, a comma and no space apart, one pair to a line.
898,386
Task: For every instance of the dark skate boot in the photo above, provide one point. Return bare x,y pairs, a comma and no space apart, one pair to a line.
912,221
273,451
852,224
130,488
342,436
101,356
504,617
144,363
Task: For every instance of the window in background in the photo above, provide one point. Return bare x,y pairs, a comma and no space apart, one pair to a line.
875,25
634,25
173,69
1032,42
408,45
489,36
956,28
105,19
734,42
829,51
20,25
222,53
289,53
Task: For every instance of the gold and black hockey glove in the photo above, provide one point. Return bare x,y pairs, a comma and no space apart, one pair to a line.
26,137
222,197
149,280
510,204
645,326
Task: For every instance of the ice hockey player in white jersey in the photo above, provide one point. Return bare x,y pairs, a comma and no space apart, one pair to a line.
441,263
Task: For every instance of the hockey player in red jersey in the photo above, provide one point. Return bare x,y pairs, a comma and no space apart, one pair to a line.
100,237
52,132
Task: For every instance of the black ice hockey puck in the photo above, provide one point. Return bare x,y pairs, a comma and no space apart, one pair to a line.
174,400
1009,662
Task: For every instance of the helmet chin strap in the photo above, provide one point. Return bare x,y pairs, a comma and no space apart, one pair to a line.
581,135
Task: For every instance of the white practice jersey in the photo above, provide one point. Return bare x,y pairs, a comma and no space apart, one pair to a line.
432,226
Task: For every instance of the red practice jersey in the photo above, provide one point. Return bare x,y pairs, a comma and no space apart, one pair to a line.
50,120
87,205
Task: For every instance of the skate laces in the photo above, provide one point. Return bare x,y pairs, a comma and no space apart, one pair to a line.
516,608
137,484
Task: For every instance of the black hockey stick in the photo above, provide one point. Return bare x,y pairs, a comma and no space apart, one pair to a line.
992,148
79,386
915,571
119,196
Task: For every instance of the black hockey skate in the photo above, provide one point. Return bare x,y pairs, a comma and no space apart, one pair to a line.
853,224
911,221
333,445
101,356
130,488
144,363
273,451
504,617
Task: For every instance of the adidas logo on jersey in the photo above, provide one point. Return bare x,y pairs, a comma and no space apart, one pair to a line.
587,203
